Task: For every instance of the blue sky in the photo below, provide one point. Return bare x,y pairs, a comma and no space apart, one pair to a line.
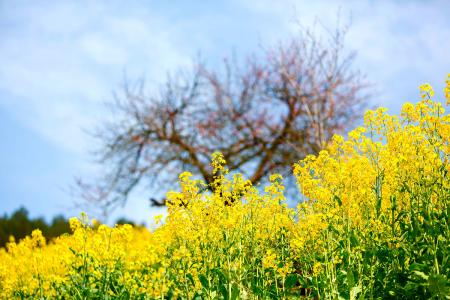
61,60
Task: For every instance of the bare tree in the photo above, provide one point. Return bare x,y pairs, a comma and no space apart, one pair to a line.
263,115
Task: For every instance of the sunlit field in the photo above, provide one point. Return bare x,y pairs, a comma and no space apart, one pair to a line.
373,222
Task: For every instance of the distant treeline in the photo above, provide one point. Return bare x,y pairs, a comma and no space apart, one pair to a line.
19,225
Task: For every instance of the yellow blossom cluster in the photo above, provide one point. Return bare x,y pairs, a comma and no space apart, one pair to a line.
374,225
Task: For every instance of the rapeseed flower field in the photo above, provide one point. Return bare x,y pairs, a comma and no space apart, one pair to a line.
374,223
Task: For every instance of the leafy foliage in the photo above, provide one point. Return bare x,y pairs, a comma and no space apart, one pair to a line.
19,225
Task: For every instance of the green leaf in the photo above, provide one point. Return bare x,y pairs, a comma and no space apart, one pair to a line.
191,278
222,277
257,290
438,285
417,266
421,274
203,280
355,291
290,281
350,278
235,292
197,296
224,291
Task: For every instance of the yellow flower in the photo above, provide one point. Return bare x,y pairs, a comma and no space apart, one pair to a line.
353,192
317,268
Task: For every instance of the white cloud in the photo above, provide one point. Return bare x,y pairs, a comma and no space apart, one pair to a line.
61,60
400,44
